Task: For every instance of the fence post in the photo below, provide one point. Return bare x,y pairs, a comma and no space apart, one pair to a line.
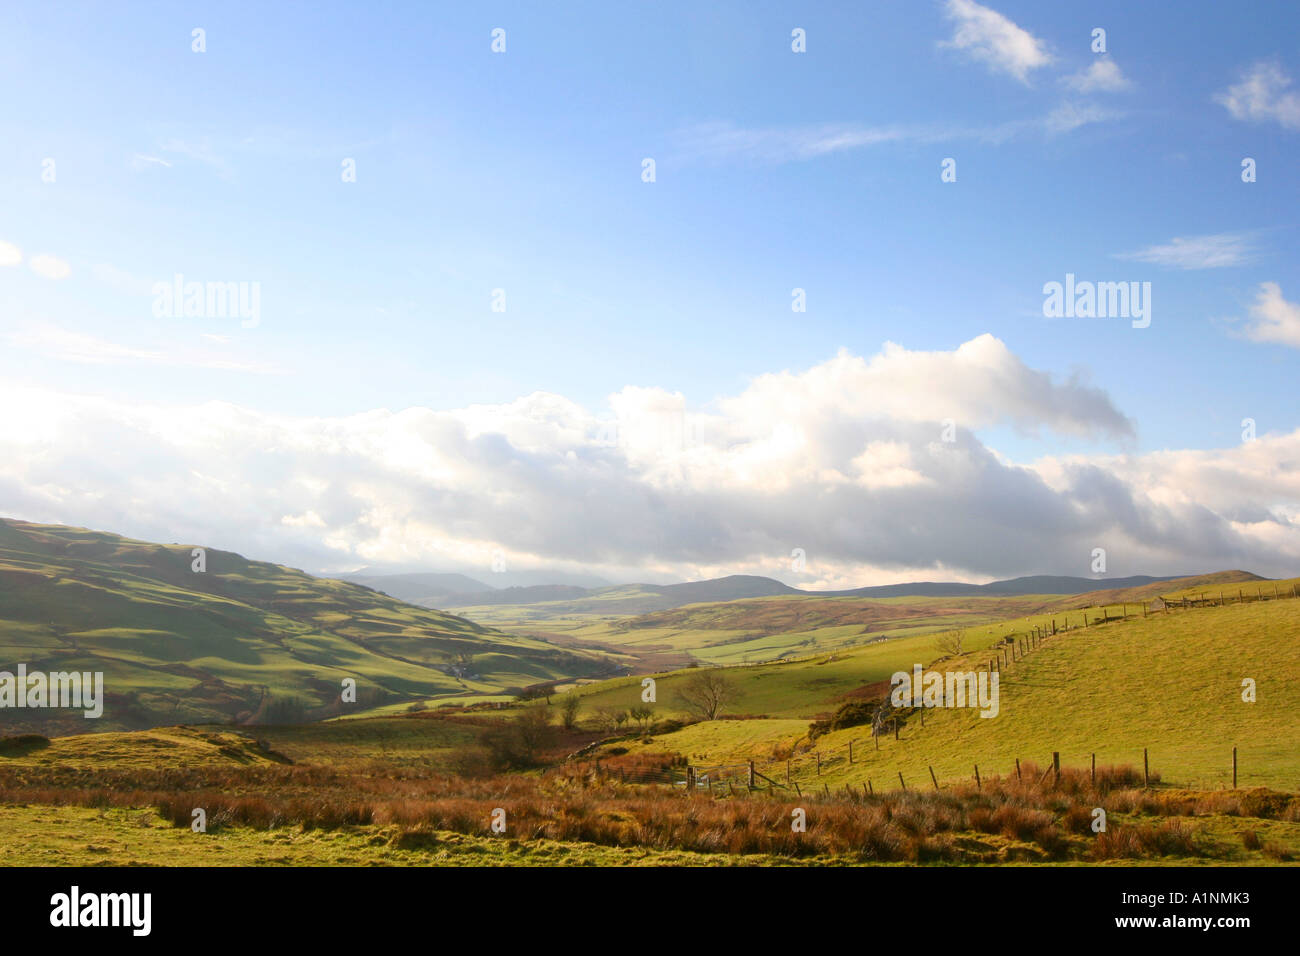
1146,769
1018,777
819,762
787,772
850,752
751,775
978,785
1094,770
1056,766
895,728
933,780
1234,768
900,781
870,787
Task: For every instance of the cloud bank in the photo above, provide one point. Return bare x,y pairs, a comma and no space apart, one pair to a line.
870,464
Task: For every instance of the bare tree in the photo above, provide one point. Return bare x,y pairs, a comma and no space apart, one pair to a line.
950,643
707,693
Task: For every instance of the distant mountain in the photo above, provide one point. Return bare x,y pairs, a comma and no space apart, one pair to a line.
1034,584
435,589
632,599
428,590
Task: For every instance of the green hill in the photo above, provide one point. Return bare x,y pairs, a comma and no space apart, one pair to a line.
1169,683
242,640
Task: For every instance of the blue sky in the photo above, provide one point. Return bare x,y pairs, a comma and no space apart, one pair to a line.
775,170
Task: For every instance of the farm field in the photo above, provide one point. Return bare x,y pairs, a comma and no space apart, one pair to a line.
1170,683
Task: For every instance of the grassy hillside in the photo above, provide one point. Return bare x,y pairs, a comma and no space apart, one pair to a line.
242,640
1170,683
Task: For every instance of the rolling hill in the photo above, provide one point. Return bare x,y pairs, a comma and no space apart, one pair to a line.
1170,683
241,640
544,602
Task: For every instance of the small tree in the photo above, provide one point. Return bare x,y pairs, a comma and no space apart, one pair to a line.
642,715
707,693
569,708
951,642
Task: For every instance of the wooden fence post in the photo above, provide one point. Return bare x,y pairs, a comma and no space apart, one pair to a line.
1146,769
1018,777
900,781
895,728
850,752
870,787
1234,768
751,775
1056,765
978,785
819,763
1094,770
787,772
933,780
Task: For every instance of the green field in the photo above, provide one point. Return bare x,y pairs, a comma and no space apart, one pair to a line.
1170,683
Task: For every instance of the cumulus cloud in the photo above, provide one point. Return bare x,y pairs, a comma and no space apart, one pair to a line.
1273,318
1263,95
990,37
1103,76
10,255
847,459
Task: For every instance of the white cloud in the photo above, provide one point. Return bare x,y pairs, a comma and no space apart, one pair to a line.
49,267
142,161
845,459
1070,116
992,38
1262,95
717,142
10,255
1273,318
1198,252
1103,76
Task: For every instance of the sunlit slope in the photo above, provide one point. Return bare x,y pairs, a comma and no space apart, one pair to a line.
241,638
1170,683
